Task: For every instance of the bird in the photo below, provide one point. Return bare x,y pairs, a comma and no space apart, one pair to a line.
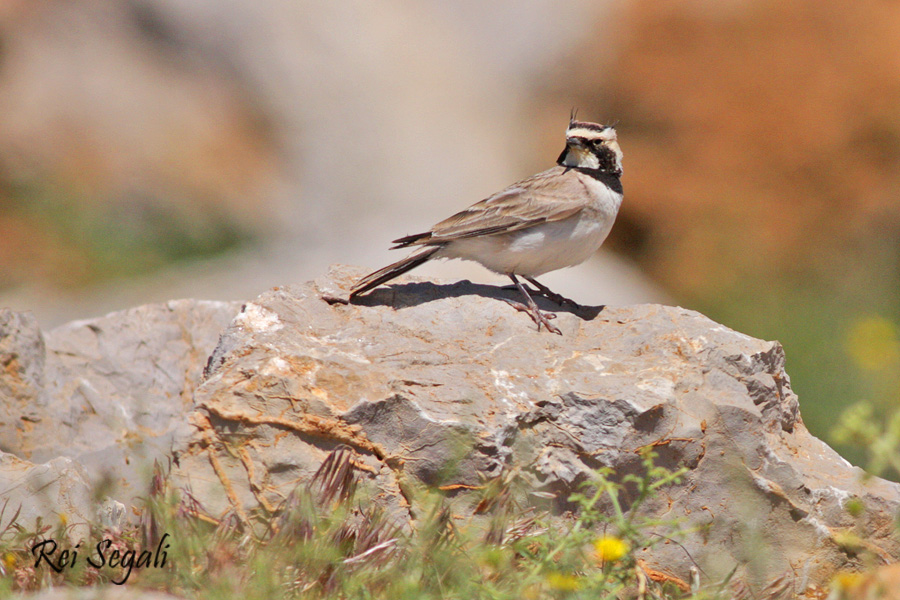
557,218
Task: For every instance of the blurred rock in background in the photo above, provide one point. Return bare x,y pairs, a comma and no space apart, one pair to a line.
154,149
121,148
269,139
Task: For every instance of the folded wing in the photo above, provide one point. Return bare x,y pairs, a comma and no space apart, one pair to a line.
549,196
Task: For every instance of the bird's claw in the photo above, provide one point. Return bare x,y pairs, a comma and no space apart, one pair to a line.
538,316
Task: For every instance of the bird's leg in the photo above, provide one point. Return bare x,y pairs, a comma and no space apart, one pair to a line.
540,318
551,295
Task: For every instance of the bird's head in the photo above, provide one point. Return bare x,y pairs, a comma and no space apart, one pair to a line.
591,146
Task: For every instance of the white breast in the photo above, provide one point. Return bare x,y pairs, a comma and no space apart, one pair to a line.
548,246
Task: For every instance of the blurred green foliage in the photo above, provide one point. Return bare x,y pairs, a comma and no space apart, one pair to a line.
90,240
838,323
872,424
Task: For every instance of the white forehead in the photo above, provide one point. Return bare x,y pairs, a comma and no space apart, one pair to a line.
591,133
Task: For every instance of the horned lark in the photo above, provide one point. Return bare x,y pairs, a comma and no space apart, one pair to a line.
551,220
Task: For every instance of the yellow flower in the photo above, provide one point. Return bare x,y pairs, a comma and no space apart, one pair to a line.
610,548
846,581
9,559
563,582
872,343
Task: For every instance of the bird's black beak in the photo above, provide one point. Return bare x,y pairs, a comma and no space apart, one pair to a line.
575,142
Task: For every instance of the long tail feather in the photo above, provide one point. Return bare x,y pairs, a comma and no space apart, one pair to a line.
373,280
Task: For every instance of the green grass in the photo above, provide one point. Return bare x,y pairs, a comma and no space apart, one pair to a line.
325,542
103,240
328,541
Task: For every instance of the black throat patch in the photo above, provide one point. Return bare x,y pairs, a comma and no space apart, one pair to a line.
609,178
606,173
607,158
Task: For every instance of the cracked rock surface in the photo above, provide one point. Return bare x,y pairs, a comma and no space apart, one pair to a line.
433,385
446,385
91,404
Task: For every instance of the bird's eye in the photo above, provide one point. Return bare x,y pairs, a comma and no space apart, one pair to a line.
597,143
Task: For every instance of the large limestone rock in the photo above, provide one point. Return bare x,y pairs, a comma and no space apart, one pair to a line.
433,385
31,494
91,405
447,385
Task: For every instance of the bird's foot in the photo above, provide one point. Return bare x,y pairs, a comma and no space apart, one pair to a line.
538,316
